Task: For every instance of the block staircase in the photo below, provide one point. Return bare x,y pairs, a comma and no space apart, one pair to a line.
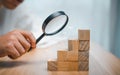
77,56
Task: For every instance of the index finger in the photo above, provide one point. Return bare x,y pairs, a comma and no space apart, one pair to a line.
29,37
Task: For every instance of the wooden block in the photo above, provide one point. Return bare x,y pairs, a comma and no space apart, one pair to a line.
67,55
84,34
68,66
83,66
83,56
72,56
84,45
61,55
52,65
73,45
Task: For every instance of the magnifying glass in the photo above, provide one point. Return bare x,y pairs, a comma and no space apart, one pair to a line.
53,24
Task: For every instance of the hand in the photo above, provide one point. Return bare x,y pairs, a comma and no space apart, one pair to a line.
11,4
16,43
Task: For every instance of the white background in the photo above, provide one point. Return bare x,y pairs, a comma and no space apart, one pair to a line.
95,15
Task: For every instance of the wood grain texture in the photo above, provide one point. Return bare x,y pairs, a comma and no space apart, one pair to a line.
83,66
101,62
67,66
67,56
83,56
73,45
84,45
61,55
52,65
84,34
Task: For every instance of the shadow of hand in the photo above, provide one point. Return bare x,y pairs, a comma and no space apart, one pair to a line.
9,64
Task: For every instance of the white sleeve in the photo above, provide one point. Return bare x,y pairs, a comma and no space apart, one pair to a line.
21,18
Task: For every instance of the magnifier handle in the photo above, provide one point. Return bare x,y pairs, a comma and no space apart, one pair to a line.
38,40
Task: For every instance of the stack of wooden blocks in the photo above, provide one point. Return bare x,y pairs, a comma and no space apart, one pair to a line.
77,56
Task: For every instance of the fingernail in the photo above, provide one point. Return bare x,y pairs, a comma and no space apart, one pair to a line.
34,45
23,51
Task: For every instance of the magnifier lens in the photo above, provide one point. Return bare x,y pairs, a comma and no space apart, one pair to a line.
55,24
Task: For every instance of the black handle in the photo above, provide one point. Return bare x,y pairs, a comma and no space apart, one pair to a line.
38,40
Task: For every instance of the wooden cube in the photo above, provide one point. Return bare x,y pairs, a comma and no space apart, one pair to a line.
52,65
73,45
83,66
68,66
61,55
67,55
84,34
84,45
83,56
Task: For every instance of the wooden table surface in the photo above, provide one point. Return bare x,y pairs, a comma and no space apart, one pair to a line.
35,62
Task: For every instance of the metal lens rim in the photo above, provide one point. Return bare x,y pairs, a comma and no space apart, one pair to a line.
52,16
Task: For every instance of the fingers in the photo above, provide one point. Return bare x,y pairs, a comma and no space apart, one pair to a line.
19,48
30,38
26,45
13,51
16,43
